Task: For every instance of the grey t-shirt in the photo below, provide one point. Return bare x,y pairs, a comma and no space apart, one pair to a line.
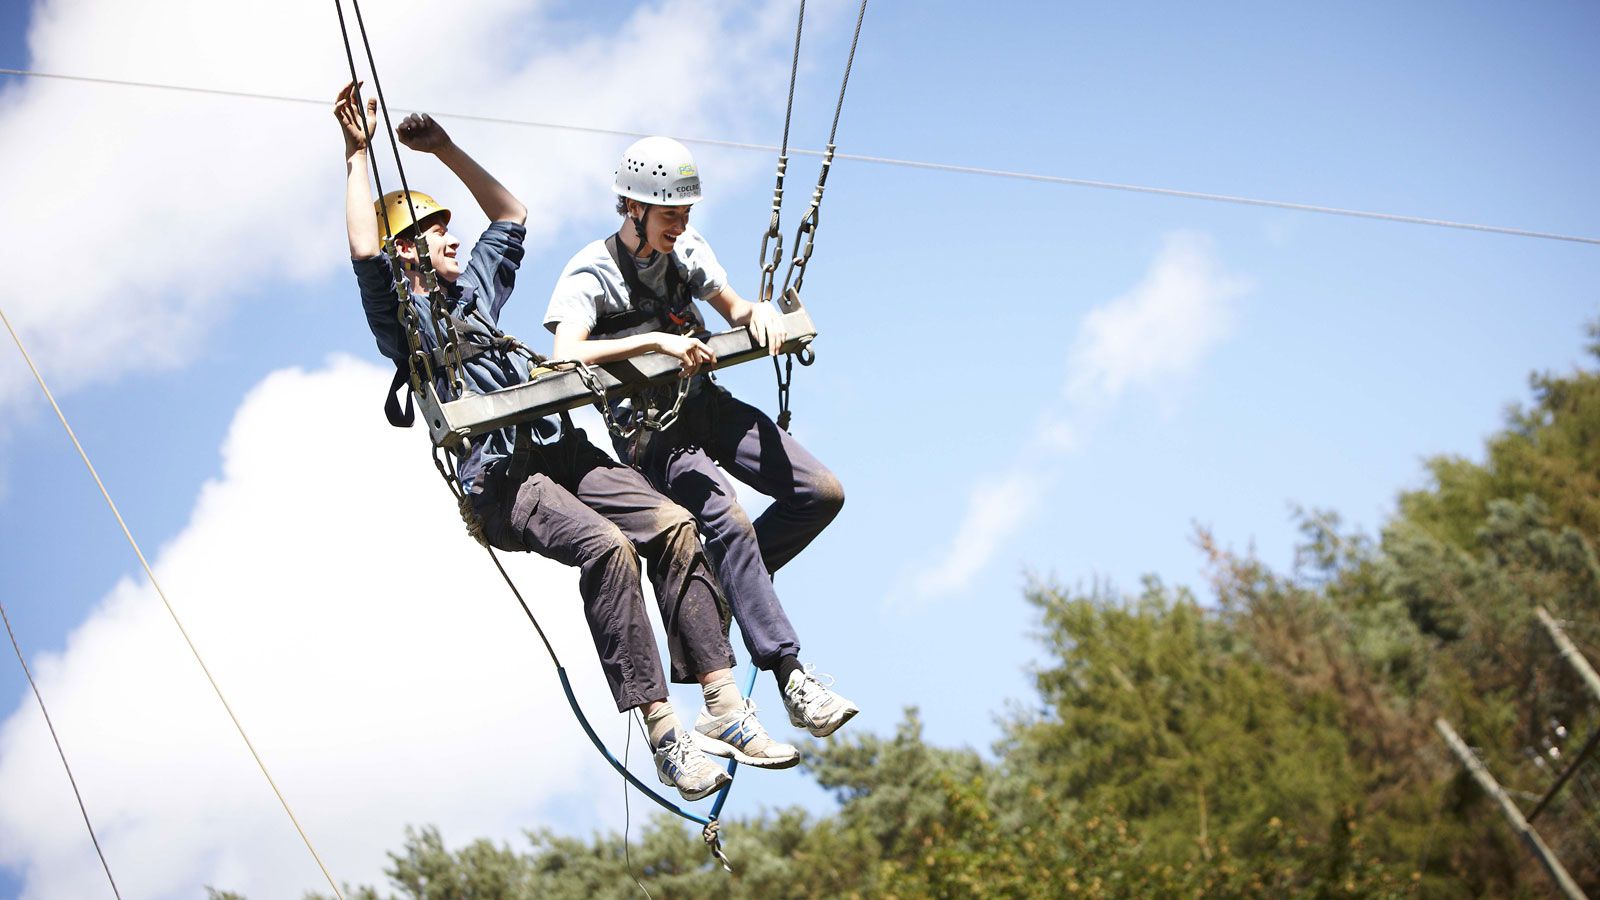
591,286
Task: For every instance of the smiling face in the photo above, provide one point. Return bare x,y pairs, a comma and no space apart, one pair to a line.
662,225
442,247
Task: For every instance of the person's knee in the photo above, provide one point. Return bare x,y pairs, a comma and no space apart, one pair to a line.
726,522
611,544
825,494
679,535
672,520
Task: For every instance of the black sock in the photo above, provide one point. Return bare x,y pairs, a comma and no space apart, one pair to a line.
786,665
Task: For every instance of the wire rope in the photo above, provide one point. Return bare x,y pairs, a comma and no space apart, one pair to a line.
891,161
61,752
171,611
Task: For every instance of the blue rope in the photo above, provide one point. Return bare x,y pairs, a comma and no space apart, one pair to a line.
577,711
733,764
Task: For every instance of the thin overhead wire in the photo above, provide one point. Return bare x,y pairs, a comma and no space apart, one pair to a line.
885,161
62,753
150,573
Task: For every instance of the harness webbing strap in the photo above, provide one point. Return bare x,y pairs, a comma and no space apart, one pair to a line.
648,306
476,332
399,418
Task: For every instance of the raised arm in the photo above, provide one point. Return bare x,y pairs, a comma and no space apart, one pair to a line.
421,133
359,223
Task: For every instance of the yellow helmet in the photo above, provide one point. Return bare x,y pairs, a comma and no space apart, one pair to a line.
399,211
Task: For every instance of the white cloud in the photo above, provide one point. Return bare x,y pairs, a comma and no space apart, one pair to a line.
379,664
996,508
1150,339
1157,333
157,212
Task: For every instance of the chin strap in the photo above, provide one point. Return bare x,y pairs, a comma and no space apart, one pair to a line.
638,226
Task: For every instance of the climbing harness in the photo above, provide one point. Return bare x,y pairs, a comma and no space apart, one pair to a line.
673,311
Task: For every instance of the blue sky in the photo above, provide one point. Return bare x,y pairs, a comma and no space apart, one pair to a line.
1211,364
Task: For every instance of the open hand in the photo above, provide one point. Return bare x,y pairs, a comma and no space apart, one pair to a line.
356,126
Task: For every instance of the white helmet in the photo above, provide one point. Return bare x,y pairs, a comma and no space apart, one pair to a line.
658,170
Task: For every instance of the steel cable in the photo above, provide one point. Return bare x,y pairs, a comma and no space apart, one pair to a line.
61,752
884,161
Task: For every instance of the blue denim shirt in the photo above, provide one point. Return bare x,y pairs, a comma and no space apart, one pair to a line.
483,289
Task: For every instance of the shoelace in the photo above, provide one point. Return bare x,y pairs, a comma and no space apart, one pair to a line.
686,756
749,724
812,689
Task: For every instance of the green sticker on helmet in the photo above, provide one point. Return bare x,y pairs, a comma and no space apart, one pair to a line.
686,171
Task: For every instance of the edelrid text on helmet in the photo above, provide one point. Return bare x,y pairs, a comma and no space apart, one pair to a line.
660,171
398,218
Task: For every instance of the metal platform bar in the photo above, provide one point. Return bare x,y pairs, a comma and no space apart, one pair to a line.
450,422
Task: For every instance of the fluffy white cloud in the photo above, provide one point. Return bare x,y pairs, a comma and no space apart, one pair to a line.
378,662
1149,339
1157,333
154,213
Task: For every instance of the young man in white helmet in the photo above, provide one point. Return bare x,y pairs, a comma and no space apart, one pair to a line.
633,293
546,488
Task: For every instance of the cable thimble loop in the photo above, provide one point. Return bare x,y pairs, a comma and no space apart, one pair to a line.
710,834
806,235
774,235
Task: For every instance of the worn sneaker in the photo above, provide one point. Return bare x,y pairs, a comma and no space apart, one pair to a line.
813,706
739,736
681,764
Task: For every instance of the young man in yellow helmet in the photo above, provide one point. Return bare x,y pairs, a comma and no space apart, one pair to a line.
547,489
632,293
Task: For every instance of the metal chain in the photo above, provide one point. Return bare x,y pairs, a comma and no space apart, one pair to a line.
785,375
586,374
648,419
808,223
774,235
663,421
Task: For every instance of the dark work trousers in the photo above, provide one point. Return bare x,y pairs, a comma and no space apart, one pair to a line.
582,508
715,428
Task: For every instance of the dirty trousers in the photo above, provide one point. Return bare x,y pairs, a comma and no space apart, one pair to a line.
716,428
581,508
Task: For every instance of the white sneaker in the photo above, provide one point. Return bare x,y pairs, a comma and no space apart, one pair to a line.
813,706
681,764
738,735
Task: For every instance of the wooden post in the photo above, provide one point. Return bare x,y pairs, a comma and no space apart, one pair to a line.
1569,652
1569,888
